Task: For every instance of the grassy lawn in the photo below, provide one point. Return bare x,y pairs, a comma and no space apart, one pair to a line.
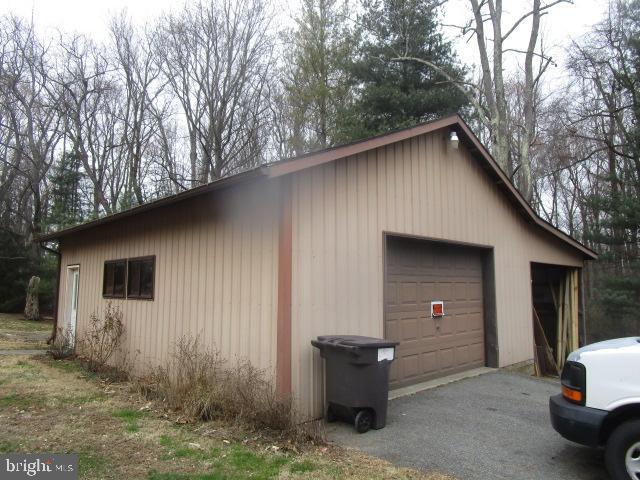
16,333
55,406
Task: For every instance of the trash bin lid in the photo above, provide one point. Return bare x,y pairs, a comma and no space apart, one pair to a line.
356,341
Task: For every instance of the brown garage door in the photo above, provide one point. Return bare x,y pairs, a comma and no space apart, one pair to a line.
419,272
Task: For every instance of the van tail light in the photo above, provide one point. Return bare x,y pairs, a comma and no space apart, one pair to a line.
574,382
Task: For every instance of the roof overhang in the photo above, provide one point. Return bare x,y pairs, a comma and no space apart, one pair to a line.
160,202
289,166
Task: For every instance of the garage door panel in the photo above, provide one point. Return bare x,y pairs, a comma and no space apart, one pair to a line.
409,293
426,291
462,323
393,373
392,328
456,339
447,325
474,290
446,358
461,292
429,328
476,353
471,355
426,262
418,273
409,329
410,366
455,307
463,356
474,307
444,292
475,322
429,362
391,293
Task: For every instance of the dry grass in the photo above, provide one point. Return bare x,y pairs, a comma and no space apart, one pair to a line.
58,406
55,405
15,322
201,384
16,333
8,343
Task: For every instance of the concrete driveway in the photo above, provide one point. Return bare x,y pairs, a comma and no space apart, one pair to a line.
492,426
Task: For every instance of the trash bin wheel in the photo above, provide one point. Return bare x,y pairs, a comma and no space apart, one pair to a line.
331,414
364,421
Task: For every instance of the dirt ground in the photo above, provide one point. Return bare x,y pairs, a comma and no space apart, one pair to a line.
51,405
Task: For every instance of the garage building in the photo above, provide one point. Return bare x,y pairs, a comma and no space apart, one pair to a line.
357,239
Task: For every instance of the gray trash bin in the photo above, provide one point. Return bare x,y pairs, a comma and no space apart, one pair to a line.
356,378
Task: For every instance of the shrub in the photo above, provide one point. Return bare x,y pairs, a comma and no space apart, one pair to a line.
102,338
60,347
203,385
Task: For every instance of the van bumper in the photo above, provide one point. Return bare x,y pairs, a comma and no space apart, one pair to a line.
575,422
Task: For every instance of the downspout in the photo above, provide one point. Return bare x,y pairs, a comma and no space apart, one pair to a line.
57,292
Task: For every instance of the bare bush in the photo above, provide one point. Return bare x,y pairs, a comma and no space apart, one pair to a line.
62,345
201,383
102,338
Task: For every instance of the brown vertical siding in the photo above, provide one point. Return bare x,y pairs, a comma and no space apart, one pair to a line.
227,261
420,186
283,356
215,278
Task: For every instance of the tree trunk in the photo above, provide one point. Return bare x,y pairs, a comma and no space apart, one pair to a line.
32,306
193,156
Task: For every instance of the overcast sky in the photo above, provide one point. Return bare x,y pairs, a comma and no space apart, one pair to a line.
564,23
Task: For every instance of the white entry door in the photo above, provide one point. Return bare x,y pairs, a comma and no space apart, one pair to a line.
71,306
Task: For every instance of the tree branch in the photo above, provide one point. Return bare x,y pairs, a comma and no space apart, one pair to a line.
528,14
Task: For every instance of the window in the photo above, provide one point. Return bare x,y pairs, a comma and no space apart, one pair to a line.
113,283
132,278
140,276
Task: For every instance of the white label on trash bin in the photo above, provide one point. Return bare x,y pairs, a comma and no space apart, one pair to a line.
385,353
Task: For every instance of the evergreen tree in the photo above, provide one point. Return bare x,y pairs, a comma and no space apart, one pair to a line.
392,95
314,80
66,205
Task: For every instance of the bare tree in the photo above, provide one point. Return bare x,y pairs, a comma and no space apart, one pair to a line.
606,116
89,102
31,122
139,76
215,57
489,95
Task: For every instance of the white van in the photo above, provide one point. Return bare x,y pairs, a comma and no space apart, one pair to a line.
600,403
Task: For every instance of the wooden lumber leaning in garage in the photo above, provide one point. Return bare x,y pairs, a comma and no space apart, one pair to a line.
567,313
544,363
549,359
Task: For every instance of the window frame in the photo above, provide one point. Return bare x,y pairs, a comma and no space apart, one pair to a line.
104,279
153,277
